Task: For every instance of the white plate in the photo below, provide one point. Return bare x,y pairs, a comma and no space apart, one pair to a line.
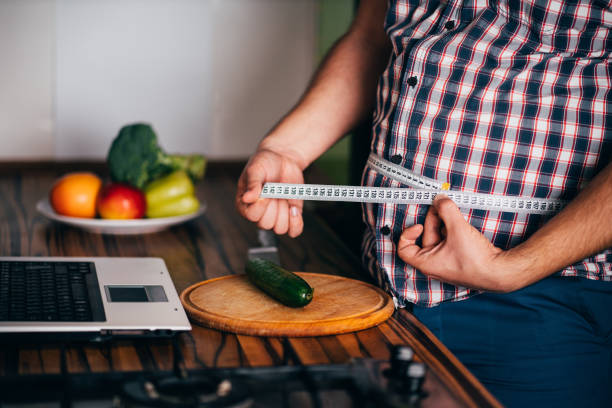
117,227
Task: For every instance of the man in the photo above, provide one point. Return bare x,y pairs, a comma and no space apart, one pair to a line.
507,97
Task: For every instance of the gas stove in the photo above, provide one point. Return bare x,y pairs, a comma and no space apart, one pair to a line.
400,382
366,382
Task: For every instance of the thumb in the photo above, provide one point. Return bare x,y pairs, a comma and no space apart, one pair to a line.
448,212
407,249
255,177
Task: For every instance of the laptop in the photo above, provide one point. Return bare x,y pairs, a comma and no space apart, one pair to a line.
92,298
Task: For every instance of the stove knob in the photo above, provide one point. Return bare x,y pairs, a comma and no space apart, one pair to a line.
416,377
401,357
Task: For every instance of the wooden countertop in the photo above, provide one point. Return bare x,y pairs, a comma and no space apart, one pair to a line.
213,245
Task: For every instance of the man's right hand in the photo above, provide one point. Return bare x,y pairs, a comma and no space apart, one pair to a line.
283,216
341,95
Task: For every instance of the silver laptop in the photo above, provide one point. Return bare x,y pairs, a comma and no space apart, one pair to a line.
95,297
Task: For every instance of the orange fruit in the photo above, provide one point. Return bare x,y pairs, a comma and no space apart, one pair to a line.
75,194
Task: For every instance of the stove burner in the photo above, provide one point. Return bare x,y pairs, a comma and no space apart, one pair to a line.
191,392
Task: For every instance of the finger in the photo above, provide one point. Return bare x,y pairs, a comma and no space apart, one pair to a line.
282,218
410,235
407,249
252,194
249,188
253,183
299,204
240,190
241,185
296,222
254,212
449,213
269,217
240,206
431,228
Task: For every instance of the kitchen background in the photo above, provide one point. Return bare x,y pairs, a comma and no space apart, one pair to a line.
211,76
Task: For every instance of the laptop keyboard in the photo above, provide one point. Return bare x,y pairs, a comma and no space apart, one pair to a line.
49,292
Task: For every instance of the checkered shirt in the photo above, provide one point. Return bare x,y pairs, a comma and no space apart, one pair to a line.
508,97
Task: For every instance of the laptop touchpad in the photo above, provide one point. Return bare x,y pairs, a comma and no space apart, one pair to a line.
133,293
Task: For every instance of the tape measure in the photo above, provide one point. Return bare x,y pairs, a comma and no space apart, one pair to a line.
425,192
322,192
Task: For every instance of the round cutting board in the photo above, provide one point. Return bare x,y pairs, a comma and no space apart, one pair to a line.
339,305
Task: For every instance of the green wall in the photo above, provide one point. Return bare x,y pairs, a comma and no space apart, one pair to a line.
334,19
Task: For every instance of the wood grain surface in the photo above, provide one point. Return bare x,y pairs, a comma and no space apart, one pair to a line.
339,305
211,246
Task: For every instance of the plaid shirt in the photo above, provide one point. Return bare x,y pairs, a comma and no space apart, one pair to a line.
507,97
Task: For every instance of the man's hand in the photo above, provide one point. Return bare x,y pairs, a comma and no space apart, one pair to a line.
455,252
284,216
340,96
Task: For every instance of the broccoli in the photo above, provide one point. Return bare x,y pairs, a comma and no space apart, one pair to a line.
135,158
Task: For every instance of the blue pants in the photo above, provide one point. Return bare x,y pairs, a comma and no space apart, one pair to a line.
547,345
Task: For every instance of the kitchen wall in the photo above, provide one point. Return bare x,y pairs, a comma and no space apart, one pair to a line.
212,76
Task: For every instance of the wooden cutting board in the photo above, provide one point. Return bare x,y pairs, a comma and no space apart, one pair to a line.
339,305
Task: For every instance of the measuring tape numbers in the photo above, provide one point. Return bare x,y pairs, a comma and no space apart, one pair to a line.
322,192
424,193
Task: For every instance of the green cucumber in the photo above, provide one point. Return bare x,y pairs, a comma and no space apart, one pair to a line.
284,286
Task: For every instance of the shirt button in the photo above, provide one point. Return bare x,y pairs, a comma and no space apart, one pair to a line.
396,159
412,81
449,25
385,230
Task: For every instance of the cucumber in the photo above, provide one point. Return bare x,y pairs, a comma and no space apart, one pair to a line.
282,285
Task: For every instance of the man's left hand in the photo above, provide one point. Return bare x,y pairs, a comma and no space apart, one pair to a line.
455,252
